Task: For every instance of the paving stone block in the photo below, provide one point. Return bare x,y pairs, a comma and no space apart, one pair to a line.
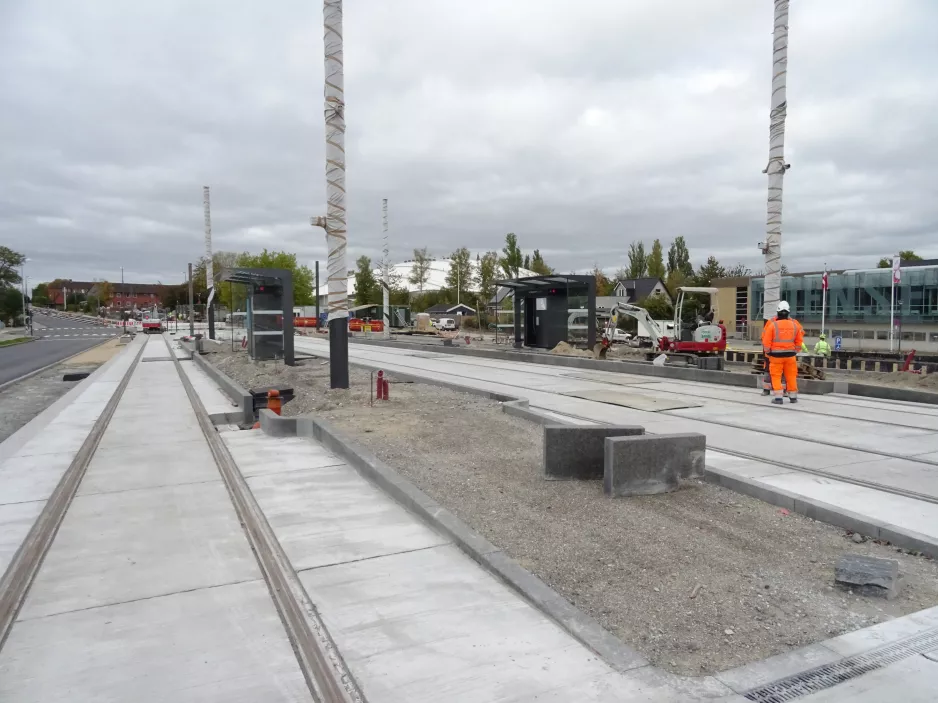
651,464
577,452
868,576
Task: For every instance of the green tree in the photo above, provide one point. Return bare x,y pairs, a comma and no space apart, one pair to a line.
11,305
679,258
738,271
511,259
302,275
603,285
10,262
420,271
41,295
656,268
638,260
367,290
527,262
908,255
658,306
459,277
538,265
488,274
709,271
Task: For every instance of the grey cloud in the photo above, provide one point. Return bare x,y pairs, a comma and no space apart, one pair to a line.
578,130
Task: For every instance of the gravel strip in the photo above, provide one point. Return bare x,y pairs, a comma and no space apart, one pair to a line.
699,581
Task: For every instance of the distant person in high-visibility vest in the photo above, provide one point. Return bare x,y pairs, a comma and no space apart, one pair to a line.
782,338
822,348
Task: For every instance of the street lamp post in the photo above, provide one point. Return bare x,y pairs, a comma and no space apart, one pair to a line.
23,277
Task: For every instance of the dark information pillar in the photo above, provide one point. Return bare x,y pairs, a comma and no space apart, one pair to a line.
519,306
317,296
338,352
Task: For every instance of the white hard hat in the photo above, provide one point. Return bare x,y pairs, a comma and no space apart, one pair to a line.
783,306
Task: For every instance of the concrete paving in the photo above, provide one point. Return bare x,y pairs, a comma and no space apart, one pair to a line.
150,590
813,434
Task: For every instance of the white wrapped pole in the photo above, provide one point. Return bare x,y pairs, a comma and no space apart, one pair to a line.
335,220
772,248
386,272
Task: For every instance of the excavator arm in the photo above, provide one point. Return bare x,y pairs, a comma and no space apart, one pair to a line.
646,326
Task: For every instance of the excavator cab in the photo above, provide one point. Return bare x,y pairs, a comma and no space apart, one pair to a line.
697,326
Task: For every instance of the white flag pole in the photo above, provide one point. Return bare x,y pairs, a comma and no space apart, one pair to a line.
825,283
896,263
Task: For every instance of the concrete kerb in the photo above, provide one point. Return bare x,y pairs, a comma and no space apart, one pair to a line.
234,391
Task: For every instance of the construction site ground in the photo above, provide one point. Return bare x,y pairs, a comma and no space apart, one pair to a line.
698,581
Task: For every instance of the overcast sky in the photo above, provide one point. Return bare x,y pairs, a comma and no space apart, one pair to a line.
578,126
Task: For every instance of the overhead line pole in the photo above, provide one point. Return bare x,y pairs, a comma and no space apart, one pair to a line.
772,246
335,220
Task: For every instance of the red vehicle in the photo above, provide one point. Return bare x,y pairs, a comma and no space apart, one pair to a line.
152,323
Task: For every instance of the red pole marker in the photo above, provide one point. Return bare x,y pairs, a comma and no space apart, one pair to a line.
379,386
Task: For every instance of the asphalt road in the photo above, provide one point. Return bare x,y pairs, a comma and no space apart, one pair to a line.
59,339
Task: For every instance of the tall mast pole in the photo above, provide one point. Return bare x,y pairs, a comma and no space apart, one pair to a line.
209,273
335,220
772,247
386,272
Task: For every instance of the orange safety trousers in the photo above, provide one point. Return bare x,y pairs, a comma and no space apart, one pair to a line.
787,366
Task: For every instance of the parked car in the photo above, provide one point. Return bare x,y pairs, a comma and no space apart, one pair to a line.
446,323
621,336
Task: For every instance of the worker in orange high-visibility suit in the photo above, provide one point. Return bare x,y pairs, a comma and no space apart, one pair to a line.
782,338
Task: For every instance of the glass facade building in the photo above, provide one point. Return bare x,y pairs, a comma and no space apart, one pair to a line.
858,297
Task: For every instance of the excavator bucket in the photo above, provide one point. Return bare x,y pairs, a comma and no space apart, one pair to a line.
599,351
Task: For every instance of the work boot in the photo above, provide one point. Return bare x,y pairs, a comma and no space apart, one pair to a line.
766,391
792,400
777,401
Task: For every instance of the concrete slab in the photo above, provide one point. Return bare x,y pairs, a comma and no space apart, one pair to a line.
431,626
332,515
132,467
912,680
884,633
16,520
886,508
212,397
33,477
117,547
224,645
57,439
631,399
257,453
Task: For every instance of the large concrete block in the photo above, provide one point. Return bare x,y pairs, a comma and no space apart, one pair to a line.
649,464
577,452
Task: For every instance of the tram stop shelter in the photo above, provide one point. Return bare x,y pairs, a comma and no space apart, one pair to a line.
552,309
269,311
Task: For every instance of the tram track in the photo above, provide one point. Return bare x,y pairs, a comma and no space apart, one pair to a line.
326,673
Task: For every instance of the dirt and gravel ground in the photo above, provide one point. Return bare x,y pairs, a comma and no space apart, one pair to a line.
700,580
